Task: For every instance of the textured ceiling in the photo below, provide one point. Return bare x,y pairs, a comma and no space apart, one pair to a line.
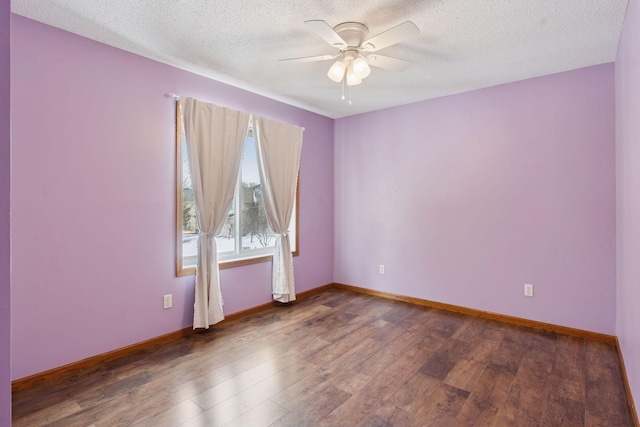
464,44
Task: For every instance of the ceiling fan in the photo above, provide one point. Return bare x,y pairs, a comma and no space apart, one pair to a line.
357,51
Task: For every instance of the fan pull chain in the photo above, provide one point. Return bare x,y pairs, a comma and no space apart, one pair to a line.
344,80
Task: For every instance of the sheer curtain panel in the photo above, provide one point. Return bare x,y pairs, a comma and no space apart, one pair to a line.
278,149
215,138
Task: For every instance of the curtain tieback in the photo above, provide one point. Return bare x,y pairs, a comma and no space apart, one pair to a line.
211,235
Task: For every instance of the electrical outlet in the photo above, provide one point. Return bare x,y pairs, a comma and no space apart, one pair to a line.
528,290
381,269
168,301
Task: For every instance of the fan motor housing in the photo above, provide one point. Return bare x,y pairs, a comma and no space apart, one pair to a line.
354,33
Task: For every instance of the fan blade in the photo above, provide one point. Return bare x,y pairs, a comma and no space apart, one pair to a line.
325,31
311,58
394,35
388,62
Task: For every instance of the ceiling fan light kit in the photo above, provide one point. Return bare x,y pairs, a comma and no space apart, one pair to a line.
353,70
352,78
355,58
361,68
337,70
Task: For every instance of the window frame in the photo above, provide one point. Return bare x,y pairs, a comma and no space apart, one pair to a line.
240,261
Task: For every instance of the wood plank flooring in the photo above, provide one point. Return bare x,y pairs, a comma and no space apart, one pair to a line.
344,359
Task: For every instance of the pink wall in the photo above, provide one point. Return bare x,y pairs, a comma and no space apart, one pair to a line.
466,198
93,196
5,230
627,80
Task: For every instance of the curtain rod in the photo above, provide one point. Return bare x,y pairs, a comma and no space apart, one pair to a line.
178,97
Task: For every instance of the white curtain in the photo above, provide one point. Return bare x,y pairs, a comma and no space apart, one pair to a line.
215,142
278,150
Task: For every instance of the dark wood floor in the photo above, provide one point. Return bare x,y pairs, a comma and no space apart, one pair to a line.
344,359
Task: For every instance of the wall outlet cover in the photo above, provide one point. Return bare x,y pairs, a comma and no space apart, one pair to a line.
528,290
168,301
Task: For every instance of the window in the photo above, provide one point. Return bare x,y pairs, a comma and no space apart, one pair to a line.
245,237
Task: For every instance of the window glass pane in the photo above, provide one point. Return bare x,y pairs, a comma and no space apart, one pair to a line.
189,236
256,233
292,227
